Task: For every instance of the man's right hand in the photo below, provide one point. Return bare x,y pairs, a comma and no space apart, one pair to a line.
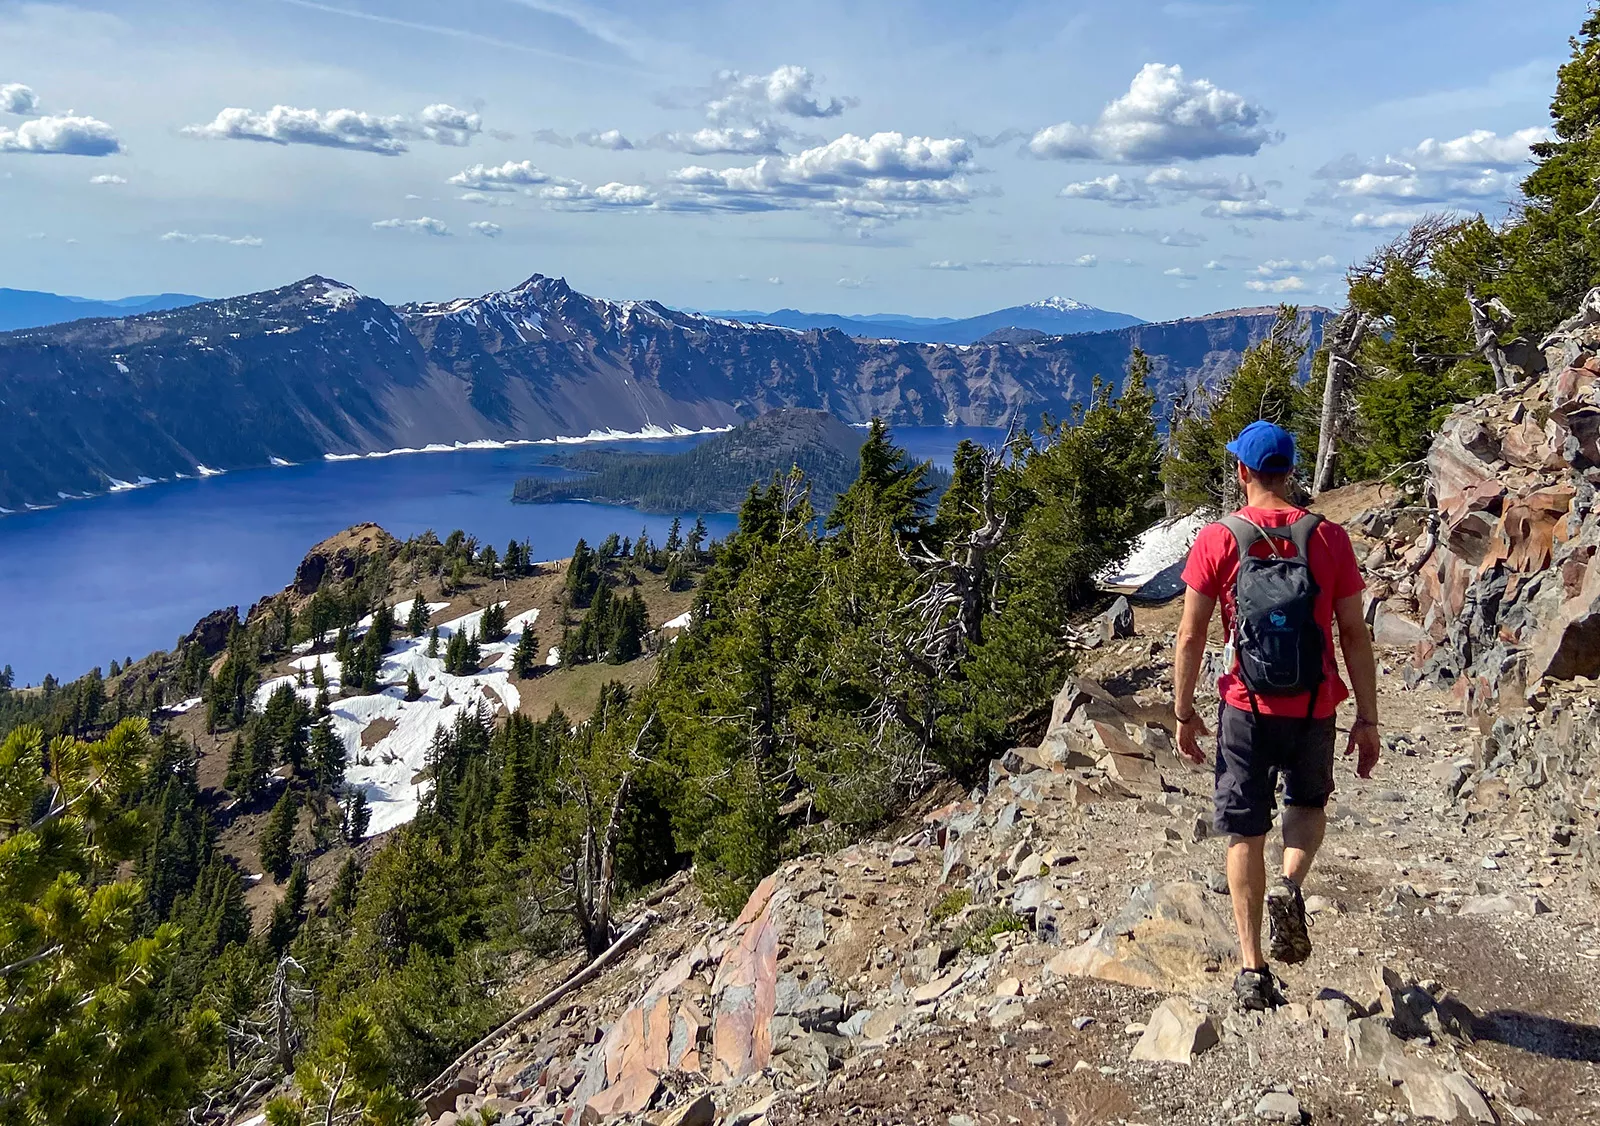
1189,733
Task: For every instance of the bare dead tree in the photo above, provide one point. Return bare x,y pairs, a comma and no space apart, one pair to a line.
951,609
594,871
1343,343
1489,320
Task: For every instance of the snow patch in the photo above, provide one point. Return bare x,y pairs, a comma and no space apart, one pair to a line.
336,296
278,461
608,435
387,772
122,367
1159,548
188,705
680,622
207,471
554,657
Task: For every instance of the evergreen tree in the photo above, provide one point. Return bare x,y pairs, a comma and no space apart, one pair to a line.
889,481
83,1035
289,912
357,815
417,619
433,642
1266,385
413,689
677,575
327,755
7,677
492,624
697,536
346,885
228,693
319,678
583,576
525,657
277,839
674,542
383,626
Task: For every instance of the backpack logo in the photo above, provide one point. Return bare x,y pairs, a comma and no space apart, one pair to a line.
1279,618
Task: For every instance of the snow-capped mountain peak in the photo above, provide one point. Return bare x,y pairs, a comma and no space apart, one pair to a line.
1062,304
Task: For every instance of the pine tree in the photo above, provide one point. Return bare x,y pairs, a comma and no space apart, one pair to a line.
327,755
277,840
525,657
674,542
889,481
433,642
346,886
289,912
383,626
697,537
413,689
357,815
492,623
417,619
319,678
7,677
116,669
677,575
84,1033
583,576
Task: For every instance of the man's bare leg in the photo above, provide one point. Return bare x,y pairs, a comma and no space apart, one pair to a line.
1303,830
1247,885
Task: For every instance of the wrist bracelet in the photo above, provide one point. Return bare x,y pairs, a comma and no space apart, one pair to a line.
1360,722
1180,718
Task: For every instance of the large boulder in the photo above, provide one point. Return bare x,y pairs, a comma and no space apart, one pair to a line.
211,632
339,557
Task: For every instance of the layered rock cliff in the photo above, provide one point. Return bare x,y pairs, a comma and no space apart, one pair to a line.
315,369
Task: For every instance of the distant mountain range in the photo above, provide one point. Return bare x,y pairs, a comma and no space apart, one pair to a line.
316,369
716,474
27,308
1054,316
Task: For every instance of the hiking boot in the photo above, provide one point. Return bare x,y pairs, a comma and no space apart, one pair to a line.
1257,991
1286,914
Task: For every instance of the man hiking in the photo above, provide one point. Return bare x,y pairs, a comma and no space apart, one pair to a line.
1283,575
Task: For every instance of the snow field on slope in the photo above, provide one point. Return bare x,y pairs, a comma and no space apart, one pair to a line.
1159,548
386,772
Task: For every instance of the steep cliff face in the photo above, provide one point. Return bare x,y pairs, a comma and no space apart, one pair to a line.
316,368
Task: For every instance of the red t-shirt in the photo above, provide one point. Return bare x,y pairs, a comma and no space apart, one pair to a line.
1214,564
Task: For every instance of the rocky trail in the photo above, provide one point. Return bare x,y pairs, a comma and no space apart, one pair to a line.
1056,947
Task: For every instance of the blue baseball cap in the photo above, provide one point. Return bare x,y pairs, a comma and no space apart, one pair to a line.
1265,447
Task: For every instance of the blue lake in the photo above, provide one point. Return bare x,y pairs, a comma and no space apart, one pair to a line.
98,580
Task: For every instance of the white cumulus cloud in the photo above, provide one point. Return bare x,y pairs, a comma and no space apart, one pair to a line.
107,179
877,178
1251,209
220,240
606,139
1115,188
426,225
572,196
1387,220
485,228
66,135
762,139
1180,273
513,175
789,90
1476,167
1289,284
17,98
478,197
386,135
1082,261
1164,116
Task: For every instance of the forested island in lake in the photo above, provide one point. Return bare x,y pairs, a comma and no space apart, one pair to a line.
716,475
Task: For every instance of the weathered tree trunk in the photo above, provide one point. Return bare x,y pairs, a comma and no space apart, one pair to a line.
1344,343
1489,320
594,874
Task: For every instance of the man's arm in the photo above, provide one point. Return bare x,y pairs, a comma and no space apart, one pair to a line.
1186,663
1362,669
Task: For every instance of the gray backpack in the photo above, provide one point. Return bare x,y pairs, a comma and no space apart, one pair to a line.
1276,639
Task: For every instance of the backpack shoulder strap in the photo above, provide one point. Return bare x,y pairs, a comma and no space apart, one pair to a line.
1300,533
1245,533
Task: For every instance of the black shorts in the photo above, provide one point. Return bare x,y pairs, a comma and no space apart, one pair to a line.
1253,751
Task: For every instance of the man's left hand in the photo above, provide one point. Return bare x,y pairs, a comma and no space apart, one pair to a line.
1366,746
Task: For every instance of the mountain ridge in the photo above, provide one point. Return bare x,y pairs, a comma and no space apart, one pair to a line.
1057,316
316,368
31,308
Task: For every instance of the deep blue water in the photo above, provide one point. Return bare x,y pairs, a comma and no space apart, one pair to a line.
93,581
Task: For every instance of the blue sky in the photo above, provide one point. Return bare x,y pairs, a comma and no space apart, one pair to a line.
1159,157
